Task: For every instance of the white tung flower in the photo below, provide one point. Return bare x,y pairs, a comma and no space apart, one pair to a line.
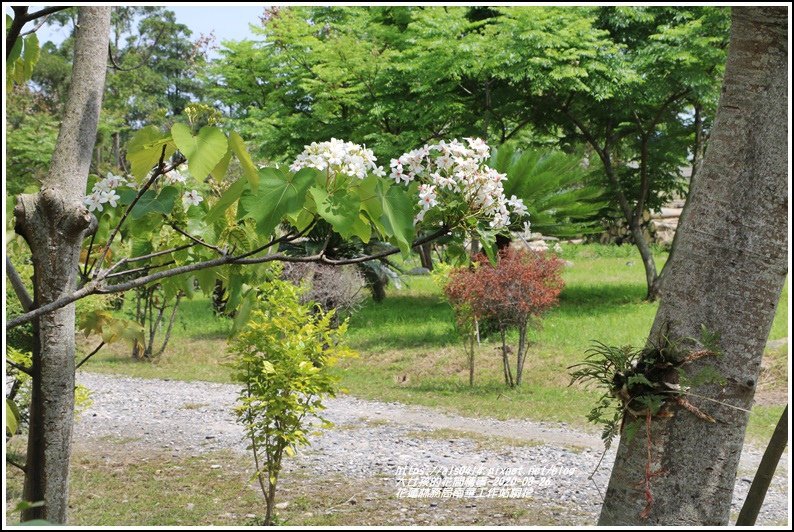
173,177
192,198
338,157
94,201
114,181
517,204
109,196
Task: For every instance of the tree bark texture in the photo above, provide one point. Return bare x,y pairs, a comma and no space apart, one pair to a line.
54,223
727,274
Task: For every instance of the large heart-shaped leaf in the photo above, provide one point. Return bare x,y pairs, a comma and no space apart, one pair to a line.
249,168
150,201
398,217
339,209
145,149
204,151
279,193
227,199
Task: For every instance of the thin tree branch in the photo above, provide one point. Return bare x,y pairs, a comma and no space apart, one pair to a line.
97,286
88,254
197,240
19,367
89,355
516,129
18,286
138,270
35,28
47,11
160,170
143,62
20,14
15,464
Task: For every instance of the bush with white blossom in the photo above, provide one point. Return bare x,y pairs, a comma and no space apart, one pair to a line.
455,175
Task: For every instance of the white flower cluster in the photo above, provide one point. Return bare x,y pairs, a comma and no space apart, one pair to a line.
338,157
104,192
460,169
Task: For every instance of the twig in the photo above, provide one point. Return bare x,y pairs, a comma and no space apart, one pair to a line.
161,170
138,270
197,240
97,287
16,464
18,285
19,367
92,353
88,254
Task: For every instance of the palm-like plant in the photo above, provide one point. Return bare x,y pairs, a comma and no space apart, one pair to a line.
561,194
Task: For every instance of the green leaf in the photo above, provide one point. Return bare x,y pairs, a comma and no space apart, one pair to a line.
339,209
398,217
162,203
141,246
31,54
279,193
12,417
227,199
371,190
638,378
249,168
204,151
243,311
145,148
206,280
16,51
220,169
362,228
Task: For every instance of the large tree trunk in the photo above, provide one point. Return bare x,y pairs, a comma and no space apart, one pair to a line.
727,274
54,223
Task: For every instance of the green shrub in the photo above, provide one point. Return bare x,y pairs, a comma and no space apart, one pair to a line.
283,356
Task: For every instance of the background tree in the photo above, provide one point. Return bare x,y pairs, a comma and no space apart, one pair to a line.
726,274
637,85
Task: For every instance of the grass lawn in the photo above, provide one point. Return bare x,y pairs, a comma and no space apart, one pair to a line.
410,351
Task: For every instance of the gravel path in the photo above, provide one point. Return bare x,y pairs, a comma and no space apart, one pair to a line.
377,439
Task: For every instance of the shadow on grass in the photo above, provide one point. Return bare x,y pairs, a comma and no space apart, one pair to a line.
403,321
596,299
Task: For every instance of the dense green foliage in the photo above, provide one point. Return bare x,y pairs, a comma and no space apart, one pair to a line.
562,195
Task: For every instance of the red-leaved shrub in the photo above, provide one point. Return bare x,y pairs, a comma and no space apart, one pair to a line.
513,293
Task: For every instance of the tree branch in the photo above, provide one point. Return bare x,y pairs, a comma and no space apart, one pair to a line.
45,12
19,367
18,286
197,240
92,353
97,286
15,464
20,14
160,170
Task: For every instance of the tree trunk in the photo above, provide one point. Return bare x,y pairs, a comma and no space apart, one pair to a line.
171,321
54,223
522,346
766,470
426,255
727,274
647,260
471,359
